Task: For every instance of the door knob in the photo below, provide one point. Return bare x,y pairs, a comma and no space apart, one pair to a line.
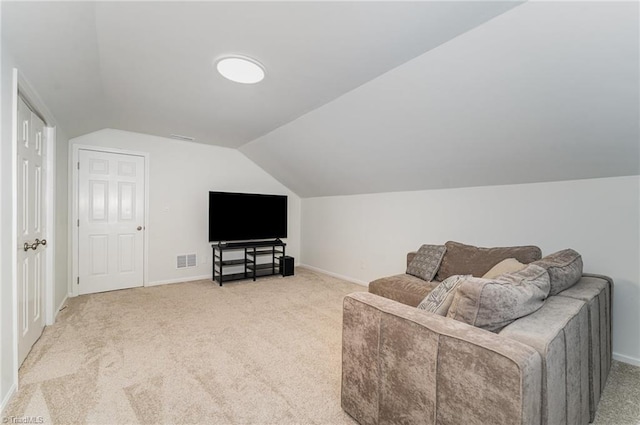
27,246
139,228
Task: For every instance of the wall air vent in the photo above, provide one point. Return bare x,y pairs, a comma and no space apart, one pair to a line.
186,260
185,138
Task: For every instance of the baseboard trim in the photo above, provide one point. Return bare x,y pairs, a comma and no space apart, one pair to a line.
7,398
179,280
626,359
339,276
55,314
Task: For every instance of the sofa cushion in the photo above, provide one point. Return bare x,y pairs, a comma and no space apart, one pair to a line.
426,262
410,256
439,300
466,259
508,265
404,288
564,267
492,304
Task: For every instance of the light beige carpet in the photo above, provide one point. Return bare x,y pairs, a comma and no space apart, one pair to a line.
264,352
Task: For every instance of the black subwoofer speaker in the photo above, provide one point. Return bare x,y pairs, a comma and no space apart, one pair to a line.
286,266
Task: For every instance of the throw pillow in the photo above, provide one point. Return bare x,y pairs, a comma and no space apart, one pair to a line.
508,265
564,267
476,261
426,262
440,298
492,304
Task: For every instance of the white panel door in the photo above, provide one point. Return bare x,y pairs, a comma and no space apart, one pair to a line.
111,221
31,229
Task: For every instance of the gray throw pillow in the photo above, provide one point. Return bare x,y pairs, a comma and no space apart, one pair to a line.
426,262
564,267
440,298
492,304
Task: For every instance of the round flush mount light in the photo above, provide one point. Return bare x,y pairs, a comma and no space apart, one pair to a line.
241,69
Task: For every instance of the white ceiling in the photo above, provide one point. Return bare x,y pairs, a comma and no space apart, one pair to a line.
360,97
547,91
148,66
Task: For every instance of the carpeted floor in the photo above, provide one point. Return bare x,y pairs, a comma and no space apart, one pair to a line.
620,402
265,352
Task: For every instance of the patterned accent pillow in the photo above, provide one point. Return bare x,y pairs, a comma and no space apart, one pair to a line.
439,300
426,262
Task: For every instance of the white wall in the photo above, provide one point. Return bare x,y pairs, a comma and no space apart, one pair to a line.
364,237
8,373
181,175
61,254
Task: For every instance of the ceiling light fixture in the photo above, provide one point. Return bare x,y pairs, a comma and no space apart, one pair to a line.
241,69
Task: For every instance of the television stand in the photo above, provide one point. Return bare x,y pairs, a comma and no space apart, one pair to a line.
251,267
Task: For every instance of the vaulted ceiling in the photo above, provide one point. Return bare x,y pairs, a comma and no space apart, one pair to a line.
359,97
149,66
547,91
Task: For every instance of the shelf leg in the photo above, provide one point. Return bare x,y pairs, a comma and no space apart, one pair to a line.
255,263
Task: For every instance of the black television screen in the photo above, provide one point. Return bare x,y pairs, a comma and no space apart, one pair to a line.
246,216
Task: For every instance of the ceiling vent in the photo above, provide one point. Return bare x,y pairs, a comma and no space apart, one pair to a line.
186,261
185,138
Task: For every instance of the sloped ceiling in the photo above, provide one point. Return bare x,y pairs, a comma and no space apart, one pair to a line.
149,66
545,92
360,97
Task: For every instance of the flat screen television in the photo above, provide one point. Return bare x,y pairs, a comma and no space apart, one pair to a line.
246,216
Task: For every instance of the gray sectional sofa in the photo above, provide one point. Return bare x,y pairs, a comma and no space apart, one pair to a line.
401,364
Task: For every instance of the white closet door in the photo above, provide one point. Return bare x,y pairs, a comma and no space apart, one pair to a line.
111,221
31,229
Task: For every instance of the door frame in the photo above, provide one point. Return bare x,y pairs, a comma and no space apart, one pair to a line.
74,155
22,87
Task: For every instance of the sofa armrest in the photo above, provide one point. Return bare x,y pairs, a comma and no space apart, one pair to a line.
404,365
559,332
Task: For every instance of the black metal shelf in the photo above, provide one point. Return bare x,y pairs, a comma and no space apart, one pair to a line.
264,252
252,269
229,277
263,266
238,262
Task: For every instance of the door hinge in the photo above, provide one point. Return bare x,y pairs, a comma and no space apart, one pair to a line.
78,165
78,281
78,222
